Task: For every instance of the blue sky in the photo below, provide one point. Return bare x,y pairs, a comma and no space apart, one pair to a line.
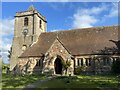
60,16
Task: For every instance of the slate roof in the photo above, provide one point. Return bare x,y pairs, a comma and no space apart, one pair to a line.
77,42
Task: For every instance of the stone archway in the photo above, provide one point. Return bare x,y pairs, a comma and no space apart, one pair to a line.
58,66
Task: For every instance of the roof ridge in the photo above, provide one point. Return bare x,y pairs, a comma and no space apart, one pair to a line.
82,29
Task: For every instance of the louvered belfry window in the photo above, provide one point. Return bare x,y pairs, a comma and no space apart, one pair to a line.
25,21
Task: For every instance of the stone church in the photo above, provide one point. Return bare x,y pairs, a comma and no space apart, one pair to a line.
35,50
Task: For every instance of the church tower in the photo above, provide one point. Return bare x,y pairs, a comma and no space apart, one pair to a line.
28,26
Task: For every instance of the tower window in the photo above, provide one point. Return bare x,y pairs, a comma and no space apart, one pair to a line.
40,22
25,21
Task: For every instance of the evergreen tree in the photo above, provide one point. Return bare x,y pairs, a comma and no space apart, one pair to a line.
116,67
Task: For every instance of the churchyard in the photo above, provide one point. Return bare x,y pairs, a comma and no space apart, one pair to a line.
13,82
98,82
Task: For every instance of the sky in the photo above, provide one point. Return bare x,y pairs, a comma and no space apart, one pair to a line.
59,15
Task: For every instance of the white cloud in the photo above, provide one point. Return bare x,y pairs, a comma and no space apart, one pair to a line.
7,27
93,10
88,17
83,21
6,34
4,47
55,30
113,11
5,44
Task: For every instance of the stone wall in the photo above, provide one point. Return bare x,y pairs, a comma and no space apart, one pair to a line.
98,63
29,65
19,40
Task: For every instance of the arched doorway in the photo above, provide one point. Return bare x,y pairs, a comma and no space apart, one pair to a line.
58,66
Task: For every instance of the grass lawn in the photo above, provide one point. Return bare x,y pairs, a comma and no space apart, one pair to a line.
11,82
99,82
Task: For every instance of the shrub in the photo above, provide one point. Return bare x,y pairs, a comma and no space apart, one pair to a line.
116,67
80,70
66,65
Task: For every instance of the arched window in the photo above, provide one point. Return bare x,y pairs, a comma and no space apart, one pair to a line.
25,21
40,23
